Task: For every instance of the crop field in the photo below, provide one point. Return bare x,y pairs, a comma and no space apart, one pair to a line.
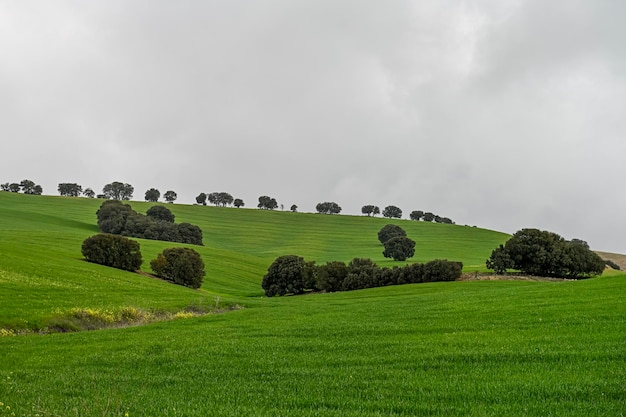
472,348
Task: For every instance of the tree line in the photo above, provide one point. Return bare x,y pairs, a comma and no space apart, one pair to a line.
291,274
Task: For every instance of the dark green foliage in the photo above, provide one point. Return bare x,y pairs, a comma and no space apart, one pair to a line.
361,274
112,250
14,187
118,218
391,212
612,264
170,196
118,191
370,210
388,231
190,233
112,216
221,199
412,274
267,203
238,202
284,276
542,253
442,270
70,189
328,207
400,248
500,260
201,199
293,208
182,266
153,195
330,277
416,215
161,213
5,187
292,275
89,193
428,217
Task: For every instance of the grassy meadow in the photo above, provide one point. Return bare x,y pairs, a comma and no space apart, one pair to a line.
482,348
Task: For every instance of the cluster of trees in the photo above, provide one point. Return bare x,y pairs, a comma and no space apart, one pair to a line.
397,245
391,212
152,195
26,186
429,217
219,199
267,203
118,218
291,274
71,189
542,253
327,208
182,266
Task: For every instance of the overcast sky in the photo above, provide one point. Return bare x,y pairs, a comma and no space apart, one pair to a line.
500,114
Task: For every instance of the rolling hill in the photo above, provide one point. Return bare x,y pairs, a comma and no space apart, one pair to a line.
481,348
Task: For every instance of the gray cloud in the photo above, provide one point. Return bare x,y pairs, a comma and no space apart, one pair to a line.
499,114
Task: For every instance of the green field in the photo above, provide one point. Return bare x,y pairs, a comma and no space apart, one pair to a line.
462,348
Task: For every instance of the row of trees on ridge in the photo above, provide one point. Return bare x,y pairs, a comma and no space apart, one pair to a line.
25,186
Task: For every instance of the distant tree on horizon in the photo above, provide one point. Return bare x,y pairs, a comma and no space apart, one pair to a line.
67,189
29,187
328,207
118,191
293,208
89,193
370,210
238,202
392,211
152,195
267,203
201,199
416,215
170,196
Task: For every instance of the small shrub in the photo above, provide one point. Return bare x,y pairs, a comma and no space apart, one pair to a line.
183,266
160,213
330,277
388,231
284,276
400,248
112,250
442,270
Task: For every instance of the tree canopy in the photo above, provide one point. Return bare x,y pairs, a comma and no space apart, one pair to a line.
267,203
388,231
400,248
153,195
170,196
391,212
328,207
542,253
70,189
118,191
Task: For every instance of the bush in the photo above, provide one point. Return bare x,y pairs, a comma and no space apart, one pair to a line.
190,233
400,248
330,277
361,274
542,253
612,264
160,213
183,266
112,250
112,216
442,270
284,276
388,231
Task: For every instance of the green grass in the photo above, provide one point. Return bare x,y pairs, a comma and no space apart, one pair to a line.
42,269
480,348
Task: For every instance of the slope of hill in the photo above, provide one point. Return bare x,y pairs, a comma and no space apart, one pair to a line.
483,348
42,268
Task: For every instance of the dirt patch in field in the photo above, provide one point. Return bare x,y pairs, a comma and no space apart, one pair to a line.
477,276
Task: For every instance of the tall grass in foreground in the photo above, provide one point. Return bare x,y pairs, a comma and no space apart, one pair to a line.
441,349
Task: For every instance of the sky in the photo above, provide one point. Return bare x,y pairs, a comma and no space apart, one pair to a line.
502,114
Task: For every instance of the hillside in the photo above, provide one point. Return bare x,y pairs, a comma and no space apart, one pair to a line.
42,268
482,348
